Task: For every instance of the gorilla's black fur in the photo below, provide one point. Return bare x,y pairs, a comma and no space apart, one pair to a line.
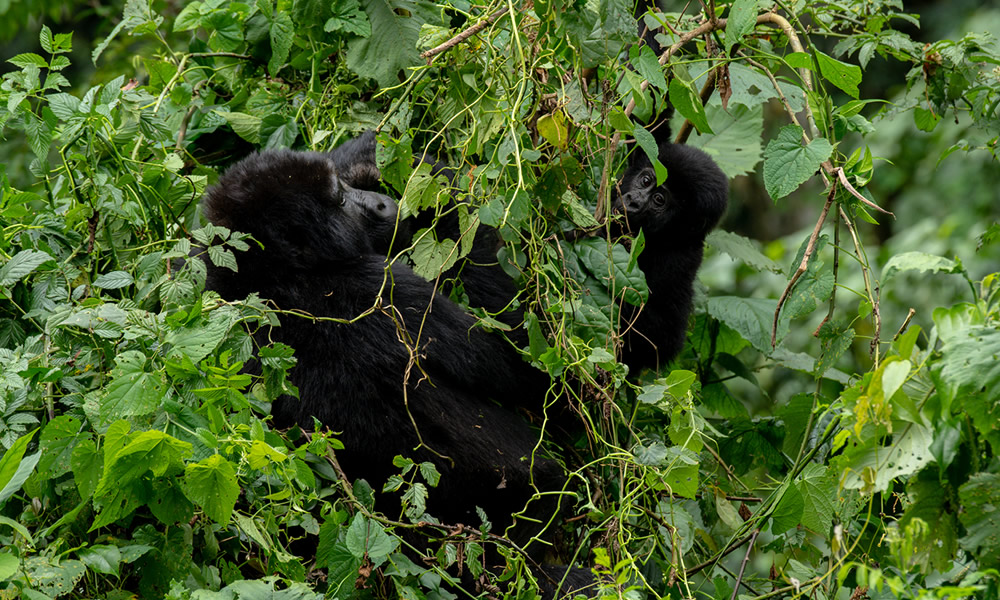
323,254
675,218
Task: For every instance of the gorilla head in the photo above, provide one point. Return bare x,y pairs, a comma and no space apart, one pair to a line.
685,208
301,210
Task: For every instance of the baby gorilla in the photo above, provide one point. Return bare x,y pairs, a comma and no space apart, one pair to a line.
675,218
410,375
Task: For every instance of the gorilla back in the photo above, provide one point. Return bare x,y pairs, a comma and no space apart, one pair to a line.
409,374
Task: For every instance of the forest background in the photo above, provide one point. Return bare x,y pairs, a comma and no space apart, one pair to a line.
830,430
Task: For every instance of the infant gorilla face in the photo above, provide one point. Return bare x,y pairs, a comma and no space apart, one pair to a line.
685,208
300,208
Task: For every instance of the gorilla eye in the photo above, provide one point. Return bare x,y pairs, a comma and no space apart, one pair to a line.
658,198
647,180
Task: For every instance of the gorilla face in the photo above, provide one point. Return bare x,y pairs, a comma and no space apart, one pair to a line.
299,207
685,208
644,205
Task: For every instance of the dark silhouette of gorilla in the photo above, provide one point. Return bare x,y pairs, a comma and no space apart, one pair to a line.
409,374
675,218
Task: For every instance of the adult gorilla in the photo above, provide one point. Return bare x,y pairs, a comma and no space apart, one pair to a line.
410,374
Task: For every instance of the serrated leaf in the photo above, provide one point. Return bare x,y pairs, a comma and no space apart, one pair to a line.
102,558
114,280
212,484
132,391
262,455
348,17
282,33
788,512
818,492
752,318
21,265
648,65
843,75
742,249
919,261
612,270
688,103
431,257
246,126
812,288
366,537
28,59
788,164
88,464
742,19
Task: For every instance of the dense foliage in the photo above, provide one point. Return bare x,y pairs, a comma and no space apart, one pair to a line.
814,438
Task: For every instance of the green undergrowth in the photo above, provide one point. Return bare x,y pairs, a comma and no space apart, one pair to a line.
801,445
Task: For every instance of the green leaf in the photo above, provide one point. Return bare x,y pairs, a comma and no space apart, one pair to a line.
51,579
788,512
261,455
981,518
21,265
189,18
348,17
613,270
872,467
431,257
198,341
919,261
114,280
9,565
752,318
282,33
422,192
736,144
28,59
392,45
101,558
844,76
122,489
132,390
788,164
687,101
818,491
57,442
64,106
366,537
88,464
244,125
14,468
742,19
212,484
742,249
924,119
813,288
553,128
648,65
971,359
